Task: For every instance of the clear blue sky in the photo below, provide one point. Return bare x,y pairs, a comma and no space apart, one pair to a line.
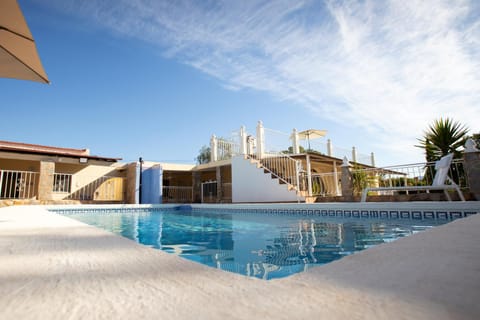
157,78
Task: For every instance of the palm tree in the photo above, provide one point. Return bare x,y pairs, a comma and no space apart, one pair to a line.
444,136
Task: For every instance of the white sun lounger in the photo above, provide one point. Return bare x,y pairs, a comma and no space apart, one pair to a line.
441,176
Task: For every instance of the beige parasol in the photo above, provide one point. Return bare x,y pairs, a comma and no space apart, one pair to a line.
311,134
18,53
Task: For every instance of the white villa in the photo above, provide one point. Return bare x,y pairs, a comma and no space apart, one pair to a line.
240,170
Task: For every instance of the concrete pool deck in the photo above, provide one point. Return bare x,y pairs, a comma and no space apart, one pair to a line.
53,267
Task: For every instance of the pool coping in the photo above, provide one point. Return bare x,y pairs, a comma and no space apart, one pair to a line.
431,210
87,272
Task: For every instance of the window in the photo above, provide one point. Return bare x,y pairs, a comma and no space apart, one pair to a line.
62,182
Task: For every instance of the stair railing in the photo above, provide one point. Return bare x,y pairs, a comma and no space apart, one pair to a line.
281,166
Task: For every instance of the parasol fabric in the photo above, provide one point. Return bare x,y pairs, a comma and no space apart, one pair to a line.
311,134
18,54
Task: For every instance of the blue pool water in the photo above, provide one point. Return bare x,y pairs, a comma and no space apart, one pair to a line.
252,244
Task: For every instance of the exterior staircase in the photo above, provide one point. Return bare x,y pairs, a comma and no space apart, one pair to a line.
271,179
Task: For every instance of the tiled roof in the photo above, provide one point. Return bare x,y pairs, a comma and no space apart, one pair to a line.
47,150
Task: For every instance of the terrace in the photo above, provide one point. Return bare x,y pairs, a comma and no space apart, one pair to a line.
85,272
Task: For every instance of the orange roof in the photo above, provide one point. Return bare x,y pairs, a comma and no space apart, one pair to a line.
47,150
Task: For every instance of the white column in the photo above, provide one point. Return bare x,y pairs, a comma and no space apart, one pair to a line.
309,176
260,140
354,155
213,149
347,181
243,141
250,145
295,145
372,159
138,172
335,179
329,148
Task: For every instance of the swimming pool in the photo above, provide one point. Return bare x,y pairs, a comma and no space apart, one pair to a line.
254,242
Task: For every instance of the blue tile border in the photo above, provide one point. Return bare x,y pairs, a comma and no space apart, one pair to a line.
425,214
394,214
428,215
416,215
108,210
455,215
404,214
442,215
384,214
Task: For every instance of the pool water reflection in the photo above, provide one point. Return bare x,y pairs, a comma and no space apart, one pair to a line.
252,244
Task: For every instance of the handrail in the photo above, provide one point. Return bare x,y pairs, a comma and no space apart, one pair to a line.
410,165
415,174
282,167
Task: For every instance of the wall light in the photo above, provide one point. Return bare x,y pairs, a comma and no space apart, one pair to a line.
83,160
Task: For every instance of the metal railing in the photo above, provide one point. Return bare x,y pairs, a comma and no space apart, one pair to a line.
226,149
416,174
276,141
18,184
209,191
173,194
281,166
326,184
62,182
105,188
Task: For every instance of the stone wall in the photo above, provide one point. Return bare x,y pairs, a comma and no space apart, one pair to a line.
23,202
45,181
472,170
131,188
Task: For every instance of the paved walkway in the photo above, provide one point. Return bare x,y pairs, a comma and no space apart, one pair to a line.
52,267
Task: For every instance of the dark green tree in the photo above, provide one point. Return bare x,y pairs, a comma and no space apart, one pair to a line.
203,155
444,136
290,150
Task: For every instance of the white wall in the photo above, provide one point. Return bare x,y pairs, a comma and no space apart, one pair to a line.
251,184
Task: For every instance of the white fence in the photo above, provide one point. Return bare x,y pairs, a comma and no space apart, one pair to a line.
18,184
416,174
24,185
226,149
270,141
